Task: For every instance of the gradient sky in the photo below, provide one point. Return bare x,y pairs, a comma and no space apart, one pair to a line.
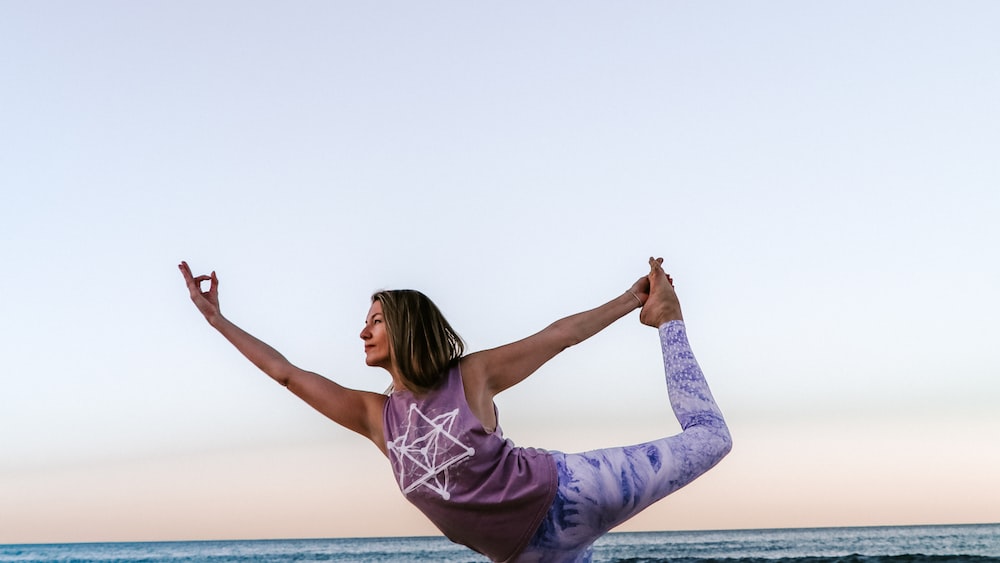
822,179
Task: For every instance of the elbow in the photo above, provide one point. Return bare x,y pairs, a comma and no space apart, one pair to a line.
282,376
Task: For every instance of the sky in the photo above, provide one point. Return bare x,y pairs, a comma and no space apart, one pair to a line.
821,179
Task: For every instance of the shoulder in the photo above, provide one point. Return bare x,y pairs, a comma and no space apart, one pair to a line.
472,368
474,371
478,393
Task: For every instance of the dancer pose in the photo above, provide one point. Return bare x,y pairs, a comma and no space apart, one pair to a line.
438,424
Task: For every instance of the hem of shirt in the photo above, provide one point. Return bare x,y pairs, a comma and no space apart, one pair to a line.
530,533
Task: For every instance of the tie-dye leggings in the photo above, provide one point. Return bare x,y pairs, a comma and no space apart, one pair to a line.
599,490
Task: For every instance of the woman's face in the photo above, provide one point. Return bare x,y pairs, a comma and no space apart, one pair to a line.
375,338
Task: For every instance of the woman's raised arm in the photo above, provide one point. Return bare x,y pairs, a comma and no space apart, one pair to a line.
359,411
492,371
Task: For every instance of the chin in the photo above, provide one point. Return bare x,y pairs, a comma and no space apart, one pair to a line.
374,362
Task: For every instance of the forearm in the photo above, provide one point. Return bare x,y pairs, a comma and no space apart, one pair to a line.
269,360
503,367
581,326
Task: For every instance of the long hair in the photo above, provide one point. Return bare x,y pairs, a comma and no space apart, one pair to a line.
421,342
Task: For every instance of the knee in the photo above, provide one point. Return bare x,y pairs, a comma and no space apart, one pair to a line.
716,440
722,439
725,441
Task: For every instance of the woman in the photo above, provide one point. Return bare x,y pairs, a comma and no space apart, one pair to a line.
438,424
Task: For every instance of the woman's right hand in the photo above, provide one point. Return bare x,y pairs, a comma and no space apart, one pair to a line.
206,301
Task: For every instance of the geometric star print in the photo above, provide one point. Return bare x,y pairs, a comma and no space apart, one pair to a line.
426,450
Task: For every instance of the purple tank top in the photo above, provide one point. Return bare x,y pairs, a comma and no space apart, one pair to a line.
475,486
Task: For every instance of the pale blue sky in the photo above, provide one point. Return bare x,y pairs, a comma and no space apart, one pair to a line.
820,177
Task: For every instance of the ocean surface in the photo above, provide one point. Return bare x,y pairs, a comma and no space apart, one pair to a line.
895,544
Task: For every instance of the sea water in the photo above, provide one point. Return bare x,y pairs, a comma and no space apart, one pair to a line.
894,544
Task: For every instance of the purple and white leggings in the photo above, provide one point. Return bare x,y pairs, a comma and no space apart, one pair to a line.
600,489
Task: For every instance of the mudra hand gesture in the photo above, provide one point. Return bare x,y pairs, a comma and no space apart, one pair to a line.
206,301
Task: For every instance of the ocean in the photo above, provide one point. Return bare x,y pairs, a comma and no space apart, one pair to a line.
892,544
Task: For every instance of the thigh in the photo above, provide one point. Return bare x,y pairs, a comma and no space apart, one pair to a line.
601,489
606,487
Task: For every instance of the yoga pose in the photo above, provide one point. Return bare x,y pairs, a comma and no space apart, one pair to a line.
438,424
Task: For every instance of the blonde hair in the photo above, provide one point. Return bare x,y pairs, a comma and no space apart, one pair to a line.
422,344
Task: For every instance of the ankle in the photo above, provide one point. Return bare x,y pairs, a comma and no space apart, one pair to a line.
659,316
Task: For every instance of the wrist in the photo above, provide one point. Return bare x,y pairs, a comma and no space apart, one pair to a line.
634,299
215,319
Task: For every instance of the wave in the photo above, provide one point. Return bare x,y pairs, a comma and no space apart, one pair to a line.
853,558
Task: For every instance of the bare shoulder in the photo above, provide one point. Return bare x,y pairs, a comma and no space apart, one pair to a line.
478,393
474,369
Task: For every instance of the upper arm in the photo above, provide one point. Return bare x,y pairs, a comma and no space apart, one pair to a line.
360,411
501,368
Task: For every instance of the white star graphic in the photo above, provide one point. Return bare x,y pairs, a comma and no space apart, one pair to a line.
426,450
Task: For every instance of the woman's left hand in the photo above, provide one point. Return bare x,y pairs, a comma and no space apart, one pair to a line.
640,289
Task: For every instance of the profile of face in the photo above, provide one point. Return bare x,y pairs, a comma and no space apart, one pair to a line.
376,338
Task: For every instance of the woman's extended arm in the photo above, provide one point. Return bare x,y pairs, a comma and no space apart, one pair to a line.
492,371
359,411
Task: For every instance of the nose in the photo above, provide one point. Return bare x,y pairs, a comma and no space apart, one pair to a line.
365,333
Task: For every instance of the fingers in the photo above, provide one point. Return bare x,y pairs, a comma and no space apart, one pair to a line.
642,284
185,270
213,288
194,282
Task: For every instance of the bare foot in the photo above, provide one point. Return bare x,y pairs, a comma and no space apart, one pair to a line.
662,305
